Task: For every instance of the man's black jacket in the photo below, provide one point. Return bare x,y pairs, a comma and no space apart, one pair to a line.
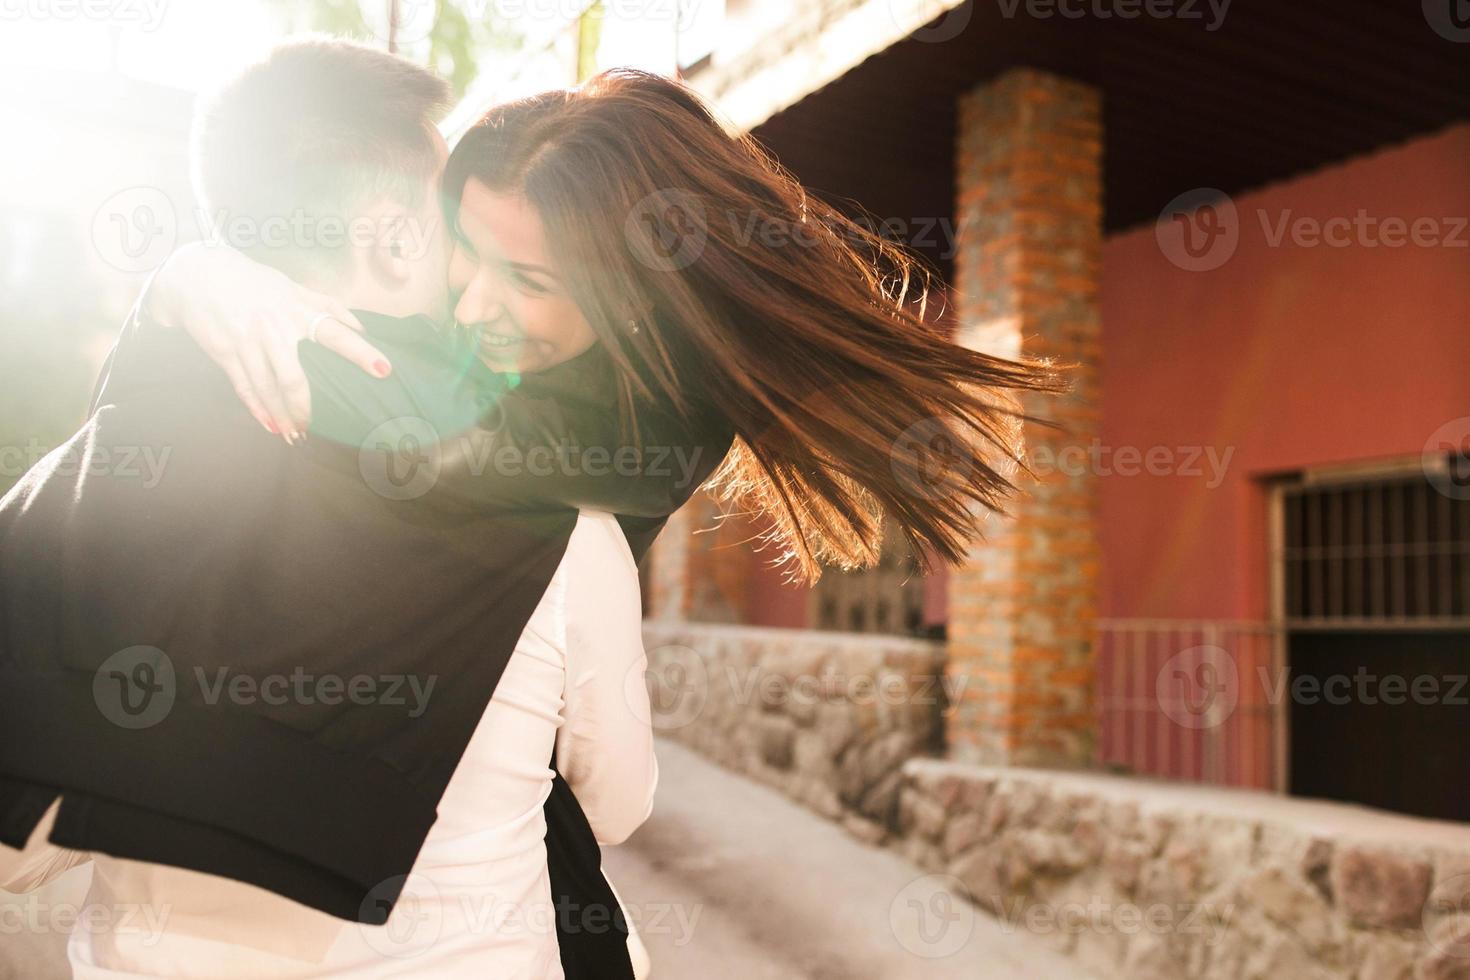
151,617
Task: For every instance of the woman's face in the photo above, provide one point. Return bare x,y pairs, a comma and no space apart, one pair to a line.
507,289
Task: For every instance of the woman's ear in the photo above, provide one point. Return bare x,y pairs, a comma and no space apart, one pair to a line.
638,311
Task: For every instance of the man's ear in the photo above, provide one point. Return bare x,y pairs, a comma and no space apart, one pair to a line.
394,250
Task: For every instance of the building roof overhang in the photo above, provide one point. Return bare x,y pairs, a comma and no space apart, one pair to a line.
1235,96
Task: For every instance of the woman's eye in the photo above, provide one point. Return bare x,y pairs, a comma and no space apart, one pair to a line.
530,285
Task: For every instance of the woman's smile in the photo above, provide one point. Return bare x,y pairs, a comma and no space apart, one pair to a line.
500,341
503,349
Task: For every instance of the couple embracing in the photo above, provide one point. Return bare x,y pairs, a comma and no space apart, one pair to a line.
348,420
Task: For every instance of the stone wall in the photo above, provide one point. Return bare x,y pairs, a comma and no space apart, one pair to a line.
1136,877
1143,880
829,718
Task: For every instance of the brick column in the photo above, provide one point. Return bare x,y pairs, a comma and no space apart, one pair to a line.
668,569
1021,611
698,565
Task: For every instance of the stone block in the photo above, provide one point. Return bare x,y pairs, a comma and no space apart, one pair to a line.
777,742
1380,888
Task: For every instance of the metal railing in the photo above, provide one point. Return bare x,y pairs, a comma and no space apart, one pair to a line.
1192,700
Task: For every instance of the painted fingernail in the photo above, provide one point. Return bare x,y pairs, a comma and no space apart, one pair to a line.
381,368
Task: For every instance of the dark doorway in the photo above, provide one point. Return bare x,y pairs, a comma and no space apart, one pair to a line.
1382,718
1375,591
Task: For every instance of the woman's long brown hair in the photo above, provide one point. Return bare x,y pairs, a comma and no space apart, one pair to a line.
803,329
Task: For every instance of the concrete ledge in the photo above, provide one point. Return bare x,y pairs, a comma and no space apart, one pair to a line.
1346,820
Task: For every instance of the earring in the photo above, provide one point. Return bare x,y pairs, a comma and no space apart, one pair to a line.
633,326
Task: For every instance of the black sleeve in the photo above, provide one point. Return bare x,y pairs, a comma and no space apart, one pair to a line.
476,439
463,437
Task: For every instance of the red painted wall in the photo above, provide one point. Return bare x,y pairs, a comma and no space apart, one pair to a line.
1287,356
769,599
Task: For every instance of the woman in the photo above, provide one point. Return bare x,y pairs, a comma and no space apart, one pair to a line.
619,214
614,219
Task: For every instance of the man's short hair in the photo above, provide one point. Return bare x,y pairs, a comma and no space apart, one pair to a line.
287,153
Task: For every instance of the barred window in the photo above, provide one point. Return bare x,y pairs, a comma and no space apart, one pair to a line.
1386,551
888,598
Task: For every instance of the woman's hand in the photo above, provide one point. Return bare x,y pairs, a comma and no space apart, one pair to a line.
249,318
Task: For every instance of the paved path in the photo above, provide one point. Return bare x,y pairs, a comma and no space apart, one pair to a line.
730,879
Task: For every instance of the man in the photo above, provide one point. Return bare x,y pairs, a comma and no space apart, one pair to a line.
127,609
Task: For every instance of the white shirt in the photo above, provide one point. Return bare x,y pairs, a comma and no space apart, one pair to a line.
478,902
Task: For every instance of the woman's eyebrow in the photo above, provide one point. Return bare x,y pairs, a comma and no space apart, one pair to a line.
532,267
